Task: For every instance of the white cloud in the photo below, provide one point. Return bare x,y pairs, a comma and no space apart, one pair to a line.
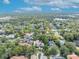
17,11
37,8
55,9
75,7
6,1
29,9
56,3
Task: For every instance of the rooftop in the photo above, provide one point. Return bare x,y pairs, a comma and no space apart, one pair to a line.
73,56
18,57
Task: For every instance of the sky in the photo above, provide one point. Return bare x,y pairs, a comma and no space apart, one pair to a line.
22,6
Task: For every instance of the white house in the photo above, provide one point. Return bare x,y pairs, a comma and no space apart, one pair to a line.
12,36
38,43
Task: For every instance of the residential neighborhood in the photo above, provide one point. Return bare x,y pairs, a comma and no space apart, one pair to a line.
21,38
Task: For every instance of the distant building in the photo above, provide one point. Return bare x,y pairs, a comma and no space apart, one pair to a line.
60,19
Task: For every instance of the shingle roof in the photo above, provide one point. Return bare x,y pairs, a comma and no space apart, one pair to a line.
18,57
73,56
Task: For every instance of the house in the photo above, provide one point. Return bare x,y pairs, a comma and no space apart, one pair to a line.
38,43
77,48
76,42
72,56
11,36
1,26
2,32
50,43
28,36
18,57
57,57
42,56
34,57
62,42
24,44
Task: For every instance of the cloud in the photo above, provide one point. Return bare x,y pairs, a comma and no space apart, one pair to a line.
37,2
29,9
55,9
55,3
75,7
6,1
17,11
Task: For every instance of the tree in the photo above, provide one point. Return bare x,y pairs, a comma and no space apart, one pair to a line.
23,50
68,36
17,50
9,28
46,51
77,52
50,51
2,51
3,40
56,36
43,38
31,50
57,42
53,50
64,51
71,46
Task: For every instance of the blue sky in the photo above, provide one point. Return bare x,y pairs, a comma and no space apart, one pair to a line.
21,6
